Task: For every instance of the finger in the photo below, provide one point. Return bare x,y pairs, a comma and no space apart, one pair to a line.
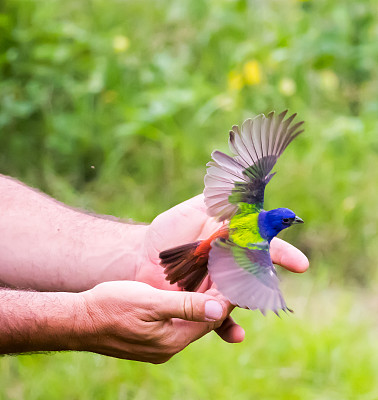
230,331
288,256
205,285
186,332
197,202
189,306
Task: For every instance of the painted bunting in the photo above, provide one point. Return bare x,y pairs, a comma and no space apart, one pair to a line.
237,255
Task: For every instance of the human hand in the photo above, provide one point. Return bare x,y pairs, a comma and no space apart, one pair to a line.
135,321
188,222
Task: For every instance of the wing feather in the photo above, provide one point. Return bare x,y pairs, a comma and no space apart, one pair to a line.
245,276
257,145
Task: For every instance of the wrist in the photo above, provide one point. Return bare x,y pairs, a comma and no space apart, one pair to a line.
91,323
131,251
80,327
58,327
112,252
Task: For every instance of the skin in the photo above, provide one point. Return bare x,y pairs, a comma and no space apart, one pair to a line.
75,281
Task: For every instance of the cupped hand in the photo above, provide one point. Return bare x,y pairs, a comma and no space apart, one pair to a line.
134,321
188,222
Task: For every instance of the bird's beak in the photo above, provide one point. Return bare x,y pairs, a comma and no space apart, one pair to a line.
298,220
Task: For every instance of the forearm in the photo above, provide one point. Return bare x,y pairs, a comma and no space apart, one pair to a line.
47,246
35,321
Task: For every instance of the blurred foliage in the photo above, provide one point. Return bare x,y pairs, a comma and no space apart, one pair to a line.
116,106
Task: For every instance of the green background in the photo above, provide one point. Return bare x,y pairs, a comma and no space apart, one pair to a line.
115,106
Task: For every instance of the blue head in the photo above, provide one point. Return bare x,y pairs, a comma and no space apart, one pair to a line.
272,222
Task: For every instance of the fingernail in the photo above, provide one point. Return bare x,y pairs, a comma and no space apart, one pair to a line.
213,310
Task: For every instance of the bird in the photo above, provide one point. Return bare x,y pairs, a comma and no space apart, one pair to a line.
236,256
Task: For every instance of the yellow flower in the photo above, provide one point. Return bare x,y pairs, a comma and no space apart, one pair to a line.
329,80
235,80
252,72
120,43
287,86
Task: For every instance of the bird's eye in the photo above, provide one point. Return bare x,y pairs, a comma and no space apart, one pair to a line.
285,220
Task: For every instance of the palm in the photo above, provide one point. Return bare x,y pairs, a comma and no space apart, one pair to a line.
185,223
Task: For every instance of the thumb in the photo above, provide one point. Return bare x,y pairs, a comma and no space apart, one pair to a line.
190,306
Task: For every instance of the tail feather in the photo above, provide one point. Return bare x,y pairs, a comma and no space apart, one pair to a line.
183,266
192,282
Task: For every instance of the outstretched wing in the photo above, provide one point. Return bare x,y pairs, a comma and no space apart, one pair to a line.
246,276
242,179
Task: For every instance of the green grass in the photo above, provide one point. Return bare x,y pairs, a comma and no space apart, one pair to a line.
326,350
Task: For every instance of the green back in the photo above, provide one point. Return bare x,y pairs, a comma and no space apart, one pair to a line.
244,229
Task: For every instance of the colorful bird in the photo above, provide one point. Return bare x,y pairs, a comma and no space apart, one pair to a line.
237,255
